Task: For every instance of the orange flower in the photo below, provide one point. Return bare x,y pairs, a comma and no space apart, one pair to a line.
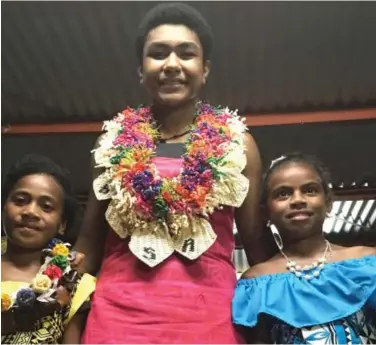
200,146
182,191
141,155
6,302
205,150
127,112
199,196
209,118
139,167
202,190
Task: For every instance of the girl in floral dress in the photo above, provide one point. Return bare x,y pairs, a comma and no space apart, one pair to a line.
42,295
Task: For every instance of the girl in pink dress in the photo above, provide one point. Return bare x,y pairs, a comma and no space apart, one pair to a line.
169,181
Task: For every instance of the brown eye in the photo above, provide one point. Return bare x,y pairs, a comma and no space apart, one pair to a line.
186,55
282,193
158,55
158,51
311,190
48,208
20,200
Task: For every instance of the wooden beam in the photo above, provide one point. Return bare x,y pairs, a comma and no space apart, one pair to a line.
252,120
312,117
364,193
84,127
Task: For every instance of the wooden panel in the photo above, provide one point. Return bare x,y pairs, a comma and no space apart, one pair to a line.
253,120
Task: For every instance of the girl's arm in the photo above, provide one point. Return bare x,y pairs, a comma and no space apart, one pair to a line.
94,228
258,244
73,331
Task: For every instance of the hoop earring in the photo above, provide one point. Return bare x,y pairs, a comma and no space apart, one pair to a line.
4,241
277,237
4,228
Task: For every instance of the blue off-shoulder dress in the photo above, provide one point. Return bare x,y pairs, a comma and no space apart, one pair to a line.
338,307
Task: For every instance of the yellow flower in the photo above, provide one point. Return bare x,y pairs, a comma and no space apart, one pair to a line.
41,283
6,302
60,249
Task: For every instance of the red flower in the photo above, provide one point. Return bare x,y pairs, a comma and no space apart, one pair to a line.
166,196
53,272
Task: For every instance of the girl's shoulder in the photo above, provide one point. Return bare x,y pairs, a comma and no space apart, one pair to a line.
272,266
277,264
358,252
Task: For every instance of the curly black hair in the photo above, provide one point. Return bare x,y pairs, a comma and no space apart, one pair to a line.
297,157
175,13
37,164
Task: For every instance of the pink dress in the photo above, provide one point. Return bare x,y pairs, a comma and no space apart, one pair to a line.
179,301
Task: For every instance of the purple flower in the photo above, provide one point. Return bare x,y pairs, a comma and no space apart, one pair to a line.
149,190
206,108
26,298
189,171
211,132
142,180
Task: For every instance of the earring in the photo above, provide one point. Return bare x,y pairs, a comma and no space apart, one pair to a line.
5,229
61,230
4,241
277,237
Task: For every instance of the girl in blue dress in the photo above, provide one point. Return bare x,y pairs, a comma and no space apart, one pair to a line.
312,292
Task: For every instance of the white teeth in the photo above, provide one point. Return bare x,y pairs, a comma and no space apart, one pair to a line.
299,215
172,82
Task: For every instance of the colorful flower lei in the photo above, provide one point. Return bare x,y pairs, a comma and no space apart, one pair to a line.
141,199
57,264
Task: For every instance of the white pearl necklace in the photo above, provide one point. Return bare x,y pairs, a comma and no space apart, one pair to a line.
309,272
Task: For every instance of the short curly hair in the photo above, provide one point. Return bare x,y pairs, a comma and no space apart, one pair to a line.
175,13
37,164
297,157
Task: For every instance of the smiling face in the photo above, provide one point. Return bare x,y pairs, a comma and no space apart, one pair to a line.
32,213
296,203
173,69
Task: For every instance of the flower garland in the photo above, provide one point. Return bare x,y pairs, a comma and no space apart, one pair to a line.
49,285
142,199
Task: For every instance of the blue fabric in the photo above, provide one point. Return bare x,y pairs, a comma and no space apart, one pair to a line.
342,289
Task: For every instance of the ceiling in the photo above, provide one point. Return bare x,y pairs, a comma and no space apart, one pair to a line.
75,60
